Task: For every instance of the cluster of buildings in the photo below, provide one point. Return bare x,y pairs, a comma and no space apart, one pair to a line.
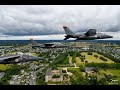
106,49
50,73
1,75
25,78
56,75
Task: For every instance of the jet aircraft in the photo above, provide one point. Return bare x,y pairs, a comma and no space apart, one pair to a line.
18,58
91,34
47,45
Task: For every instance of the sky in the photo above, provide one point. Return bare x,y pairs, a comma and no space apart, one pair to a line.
45,22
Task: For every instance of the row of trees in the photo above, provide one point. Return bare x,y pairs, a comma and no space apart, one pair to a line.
104,65
40,80
90,53
82,57
79,80
102,58
74,58
66,60
55,76
109,56
60,58
72,52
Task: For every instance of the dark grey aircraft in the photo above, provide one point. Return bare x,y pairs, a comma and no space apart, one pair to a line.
47,45
91,34
12,59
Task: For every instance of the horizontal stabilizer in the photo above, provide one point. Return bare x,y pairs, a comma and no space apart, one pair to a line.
66,38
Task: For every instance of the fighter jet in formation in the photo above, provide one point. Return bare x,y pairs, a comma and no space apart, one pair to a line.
47,45
91,34
18,58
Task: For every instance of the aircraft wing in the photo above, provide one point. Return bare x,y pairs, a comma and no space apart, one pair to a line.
8,58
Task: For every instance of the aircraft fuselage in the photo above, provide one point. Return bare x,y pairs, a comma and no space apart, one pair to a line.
84,37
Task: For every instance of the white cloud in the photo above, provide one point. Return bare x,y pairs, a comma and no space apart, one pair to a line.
49,19
116,36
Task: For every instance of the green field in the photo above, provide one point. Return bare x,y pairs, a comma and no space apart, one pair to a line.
4,67
114,73
72,68
91,58
76,72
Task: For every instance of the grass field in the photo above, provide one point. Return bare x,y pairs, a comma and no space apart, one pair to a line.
76,72
74,69
115,73
91,58
4,67
78,61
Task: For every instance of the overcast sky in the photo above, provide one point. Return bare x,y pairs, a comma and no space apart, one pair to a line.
46,21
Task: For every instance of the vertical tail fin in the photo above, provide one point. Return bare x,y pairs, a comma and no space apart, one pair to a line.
67,30
33,42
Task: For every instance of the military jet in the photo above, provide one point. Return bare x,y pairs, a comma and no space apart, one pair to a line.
91,34
47,45
18,58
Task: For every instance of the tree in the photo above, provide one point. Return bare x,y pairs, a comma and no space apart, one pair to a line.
79,81
60,58
102,58
89,53
64,71
102,81
55,76
86,61
93,80
14,70
66,60
40,80
54,67
74,58
82,68
82,59
96,56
